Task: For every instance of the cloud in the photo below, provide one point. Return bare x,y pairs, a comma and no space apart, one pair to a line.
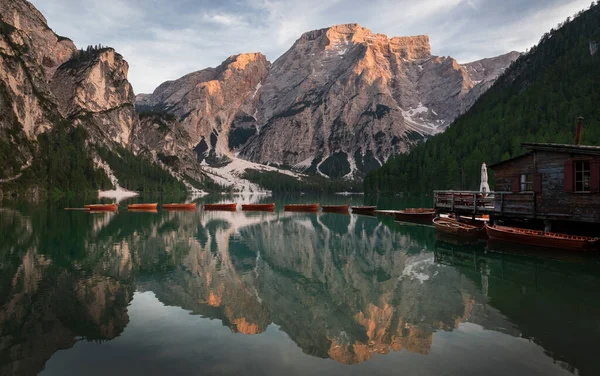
165,39
224,19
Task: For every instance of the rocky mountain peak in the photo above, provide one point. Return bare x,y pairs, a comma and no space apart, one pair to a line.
172,92
208,101
241,61
411,48
489,69
339,102
343,99
48,49
23,15
93,88
343,35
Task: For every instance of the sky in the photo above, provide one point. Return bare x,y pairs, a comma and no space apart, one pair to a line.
166,39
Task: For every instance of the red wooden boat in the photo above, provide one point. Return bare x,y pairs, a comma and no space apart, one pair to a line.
142,206
335,208
258,207
143,210
101,207
453,227
181,207
301,208
364,209
541,238
222,207
415,215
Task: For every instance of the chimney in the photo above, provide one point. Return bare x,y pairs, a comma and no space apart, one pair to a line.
578,133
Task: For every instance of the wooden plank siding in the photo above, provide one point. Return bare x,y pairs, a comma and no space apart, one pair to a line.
551,196
551,202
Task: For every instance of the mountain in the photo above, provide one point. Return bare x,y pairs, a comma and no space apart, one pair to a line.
93,91
59,107
30,53
357,97
209,101
339,103
536,100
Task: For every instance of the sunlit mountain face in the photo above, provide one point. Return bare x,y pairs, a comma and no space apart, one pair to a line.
268,293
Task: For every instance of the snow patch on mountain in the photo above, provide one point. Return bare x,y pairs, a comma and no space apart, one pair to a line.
418,124
353,168
118,193
304,164
231,175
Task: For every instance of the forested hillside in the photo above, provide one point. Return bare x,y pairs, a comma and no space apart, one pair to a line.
536,100
61,164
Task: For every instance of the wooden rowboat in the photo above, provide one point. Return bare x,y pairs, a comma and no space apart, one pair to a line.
364,209
222,207
183,207
258,207
415,215
301,208
541,238
143,210
142,206
453,227
335,208
101,207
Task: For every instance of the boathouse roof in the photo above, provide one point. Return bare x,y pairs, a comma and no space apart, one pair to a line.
558,148
563,148
492,166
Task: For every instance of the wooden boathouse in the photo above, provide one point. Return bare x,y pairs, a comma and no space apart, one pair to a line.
549,184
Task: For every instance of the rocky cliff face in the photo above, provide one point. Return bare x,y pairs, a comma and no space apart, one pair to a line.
42,45
209,101
484,73
30,52
161,137
93,90
340,102
45,80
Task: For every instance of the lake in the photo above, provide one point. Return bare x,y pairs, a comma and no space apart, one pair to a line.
282,293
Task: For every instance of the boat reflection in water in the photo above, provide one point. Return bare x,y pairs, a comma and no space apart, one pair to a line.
273,293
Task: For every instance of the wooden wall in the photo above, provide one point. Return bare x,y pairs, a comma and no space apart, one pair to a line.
508,171
551,202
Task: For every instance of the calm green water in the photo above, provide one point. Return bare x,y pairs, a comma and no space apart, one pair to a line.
281,293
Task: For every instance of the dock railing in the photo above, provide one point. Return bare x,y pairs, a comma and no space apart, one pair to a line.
475,202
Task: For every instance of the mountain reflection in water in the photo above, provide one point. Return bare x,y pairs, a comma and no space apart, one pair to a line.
341,287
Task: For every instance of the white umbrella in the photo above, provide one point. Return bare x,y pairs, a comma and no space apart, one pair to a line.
484,186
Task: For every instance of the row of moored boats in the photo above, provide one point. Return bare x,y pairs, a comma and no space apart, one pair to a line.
455,226
481,228
152,207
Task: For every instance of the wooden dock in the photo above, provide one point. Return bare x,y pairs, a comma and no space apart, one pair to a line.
499,204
